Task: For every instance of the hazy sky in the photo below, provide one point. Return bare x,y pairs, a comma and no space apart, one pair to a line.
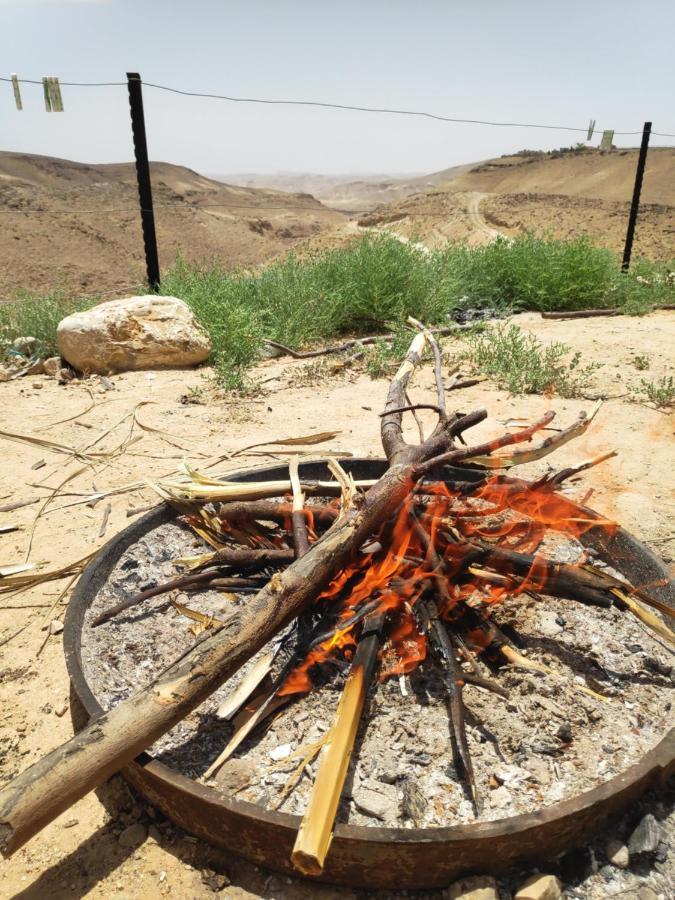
525,60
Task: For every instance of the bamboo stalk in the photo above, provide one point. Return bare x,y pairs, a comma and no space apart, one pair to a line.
316,830
645,616
298,521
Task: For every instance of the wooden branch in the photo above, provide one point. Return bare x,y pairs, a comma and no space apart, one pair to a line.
411,407
271,511
581,313
556,479
298,521
440,644
418,421
247,558
234,490
438,374
347,345
316,828
454,456
549,445
176,584
391,429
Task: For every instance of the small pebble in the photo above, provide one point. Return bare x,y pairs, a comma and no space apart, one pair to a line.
540,887
133,835
280,752
617,853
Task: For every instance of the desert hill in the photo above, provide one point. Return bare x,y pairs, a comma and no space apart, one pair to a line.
564,193
74,226
349,193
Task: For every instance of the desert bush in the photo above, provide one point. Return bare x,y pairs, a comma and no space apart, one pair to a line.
521,364
661,392
38,317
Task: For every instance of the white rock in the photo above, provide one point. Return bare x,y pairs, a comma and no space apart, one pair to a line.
151,332
500,798
281,752
374,804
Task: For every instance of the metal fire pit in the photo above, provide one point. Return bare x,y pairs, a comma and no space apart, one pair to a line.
377,858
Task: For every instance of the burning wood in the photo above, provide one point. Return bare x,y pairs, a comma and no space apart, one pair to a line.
425,553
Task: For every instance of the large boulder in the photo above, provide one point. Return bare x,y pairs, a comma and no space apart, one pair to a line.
151,332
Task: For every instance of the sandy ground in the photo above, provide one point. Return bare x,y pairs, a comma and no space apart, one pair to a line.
79,855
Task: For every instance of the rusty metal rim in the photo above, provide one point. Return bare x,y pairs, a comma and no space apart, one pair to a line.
374,858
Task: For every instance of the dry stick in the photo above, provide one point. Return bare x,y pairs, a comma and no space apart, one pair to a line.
581,313
588,313
316,829
411,407
645,616
271,703
48,615
554,442
556,479
176,584
104,521
442,647
576,582
47,501
457,384
438,374
440,643
234,490
113,739
453,456
298,521
417,419
18,504
270,511
347,345
247,558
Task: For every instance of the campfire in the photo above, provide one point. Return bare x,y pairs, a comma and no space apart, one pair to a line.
371,578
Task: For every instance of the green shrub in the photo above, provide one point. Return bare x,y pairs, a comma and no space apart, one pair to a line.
521,364
38,317
661,392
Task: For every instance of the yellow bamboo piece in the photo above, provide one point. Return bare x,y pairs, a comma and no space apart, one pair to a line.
645,616
316,830
517,659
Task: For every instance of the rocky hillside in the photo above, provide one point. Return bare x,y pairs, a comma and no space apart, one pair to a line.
76,227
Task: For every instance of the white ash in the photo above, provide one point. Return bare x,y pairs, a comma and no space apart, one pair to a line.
548,742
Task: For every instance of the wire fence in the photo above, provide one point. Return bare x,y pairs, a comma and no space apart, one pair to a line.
147,212
342,106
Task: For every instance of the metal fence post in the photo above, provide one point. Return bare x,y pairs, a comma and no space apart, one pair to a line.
143,177
635,205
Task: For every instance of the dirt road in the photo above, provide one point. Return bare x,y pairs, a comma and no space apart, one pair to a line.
473,201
